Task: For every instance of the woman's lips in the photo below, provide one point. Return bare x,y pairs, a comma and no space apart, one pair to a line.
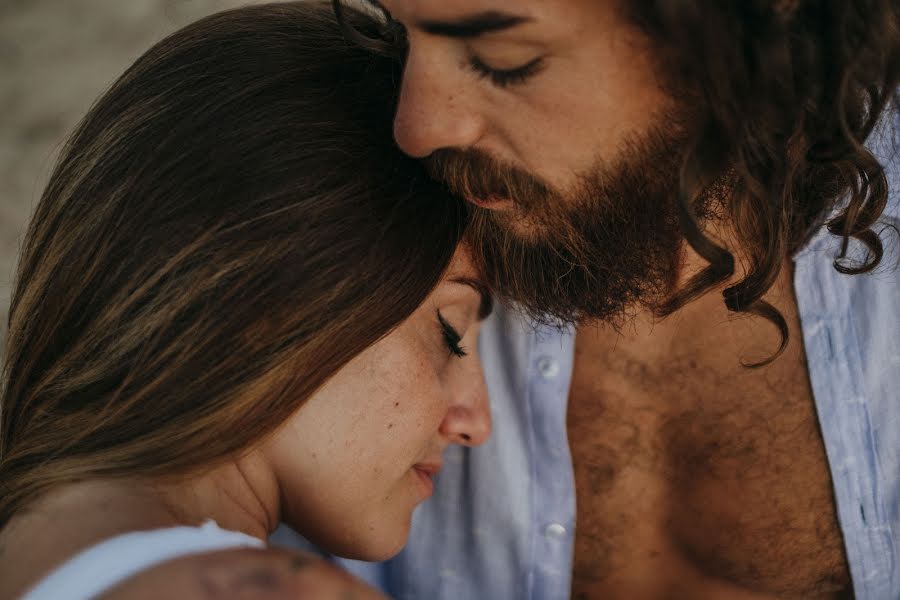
425,473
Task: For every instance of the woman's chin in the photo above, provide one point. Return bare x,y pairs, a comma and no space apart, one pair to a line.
376,543
384,551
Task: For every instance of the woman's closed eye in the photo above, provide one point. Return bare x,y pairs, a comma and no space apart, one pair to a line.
451,337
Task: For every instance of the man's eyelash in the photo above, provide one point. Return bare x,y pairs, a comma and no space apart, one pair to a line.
451,337
506,77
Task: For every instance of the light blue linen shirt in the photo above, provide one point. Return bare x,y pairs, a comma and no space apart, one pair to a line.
501,525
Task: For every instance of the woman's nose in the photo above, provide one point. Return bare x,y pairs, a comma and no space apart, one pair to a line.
468,419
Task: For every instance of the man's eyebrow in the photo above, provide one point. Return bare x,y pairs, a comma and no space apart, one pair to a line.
487,301
473,26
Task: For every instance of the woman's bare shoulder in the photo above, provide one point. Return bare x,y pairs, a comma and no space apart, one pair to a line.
245,574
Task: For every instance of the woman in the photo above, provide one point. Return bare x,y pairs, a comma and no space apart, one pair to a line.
237,304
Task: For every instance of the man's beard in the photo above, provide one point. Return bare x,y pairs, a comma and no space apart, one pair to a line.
601,252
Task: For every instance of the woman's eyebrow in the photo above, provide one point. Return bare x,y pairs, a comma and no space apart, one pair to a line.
487,301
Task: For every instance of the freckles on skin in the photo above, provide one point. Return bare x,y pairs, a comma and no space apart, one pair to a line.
353,500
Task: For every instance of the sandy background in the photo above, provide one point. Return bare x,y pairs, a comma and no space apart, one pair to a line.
56,58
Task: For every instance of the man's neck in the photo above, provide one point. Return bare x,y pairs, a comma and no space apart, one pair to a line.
703,326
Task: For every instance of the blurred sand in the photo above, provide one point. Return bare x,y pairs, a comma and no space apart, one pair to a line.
56,58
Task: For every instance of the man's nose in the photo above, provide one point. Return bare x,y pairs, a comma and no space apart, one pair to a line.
434,110
468,420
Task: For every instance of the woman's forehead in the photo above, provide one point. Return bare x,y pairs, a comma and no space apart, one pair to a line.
462,265
462,277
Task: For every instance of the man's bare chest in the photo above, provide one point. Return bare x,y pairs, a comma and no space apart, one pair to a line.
699,481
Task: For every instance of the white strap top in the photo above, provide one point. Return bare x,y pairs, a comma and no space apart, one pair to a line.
98,568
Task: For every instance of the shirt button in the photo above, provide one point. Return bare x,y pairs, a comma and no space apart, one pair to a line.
547,367
555,531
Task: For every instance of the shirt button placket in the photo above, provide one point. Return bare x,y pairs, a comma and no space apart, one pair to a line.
555,497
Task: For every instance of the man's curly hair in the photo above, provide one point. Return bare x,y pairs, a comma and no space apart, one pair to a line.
788,91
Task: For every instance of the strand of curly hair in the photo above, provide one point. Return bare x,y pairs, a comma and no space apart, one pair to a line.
789,92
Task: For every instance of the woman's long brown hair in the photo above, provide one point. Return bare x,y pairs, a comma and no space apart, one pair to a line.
228,226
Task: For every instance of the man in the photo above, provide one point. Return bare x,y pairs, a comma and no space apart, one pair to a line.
708,378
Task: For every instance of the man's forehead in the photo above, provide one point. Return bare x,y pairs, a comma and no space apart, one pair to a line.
442,10
468,19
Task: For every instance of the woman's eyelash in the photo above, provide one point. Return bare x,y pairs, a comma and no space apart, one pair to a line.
506,77
451,337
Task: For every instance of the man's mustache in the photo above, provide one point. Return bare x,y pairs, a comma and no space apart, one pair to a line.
474,174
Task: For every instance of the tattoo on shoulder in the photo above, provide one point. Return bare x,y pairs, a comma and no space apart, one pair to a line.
299,562
226,583
259,577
